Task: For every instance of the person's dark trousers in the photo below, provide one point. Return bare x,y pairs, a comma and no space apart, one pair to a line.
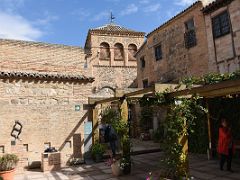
228,157
113,147
223,158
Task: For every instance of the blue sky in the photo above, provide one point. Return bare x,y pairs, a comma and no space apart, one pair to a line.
67,21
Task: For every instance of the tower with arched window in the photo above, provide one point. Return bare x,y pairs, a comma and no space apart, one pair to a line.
110,53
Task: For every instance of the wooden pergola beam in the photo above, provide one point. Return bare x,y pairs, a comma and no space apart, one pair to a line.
140,92
108,100
211,90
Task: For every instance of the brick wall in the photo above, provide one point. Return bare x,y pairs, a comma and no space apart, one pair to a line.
178,61
224,52
46,109
32,56
47,113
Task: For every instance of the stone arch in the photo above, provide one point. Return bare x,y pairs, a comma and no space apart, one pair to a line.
104,51
132,49
118,51
105,91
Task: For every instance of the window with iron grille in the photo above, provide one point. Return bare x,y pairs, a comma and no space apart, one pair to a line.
158,52
190,35
221,25
145,83
142,60
190,39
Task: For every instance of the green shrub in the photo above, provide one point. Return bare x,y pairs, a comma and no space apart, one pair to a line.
8,162
97,149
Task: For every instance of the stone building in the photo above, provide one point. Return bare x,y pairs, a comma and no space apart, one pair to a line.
111,49
174,50
45,88
222,18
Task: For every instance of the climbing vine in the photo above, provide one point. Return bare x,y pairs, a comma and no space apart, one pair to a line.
211,78
180,122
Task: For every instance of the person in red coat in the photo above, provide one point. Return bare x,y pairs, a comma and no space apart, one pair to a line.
225,144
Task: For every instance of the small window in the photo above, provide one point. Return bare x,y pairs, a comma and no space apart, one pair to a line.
221,25
25,147
145,83
142,60
158,52
189,25
2,149
190,35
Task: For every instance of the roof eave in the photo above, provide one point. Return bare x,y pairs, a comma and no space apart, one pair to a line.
215,5
175,17
95,31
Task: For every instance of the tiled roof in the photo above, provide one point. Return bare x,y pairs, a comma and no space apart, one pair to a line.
215,5
33,43
44,76
169,21
114,28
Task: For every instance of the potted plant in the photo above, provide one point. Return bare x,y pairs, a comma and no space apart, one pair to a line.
97,151
8,163
125,165
115,166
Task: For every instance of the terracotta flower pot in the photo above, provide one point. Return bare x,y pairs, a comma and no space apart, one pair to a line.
7,175
116,169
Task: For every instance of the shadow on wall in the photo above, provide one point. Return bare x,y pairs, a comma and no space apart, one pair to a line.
77,139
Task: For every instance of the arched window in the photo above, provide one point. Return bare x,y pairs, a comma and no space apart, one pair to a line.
118,51
104,51
132,49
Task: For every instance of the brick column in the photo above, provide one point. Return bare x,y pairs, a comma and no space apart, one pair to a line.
126,57
112,57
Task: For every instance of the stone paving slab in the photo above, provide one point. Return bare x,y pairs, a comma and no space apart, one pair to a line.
200,169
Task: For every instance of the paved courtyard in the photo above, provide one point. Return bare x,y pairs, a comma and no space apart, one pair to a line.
201,169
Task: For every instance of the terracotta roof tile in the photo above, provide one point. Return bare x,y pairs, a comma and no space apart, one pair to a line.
44,76
114,28
33,43
215,5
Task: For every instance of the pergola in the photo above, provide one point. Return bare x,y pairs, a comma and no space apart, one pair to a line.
219,89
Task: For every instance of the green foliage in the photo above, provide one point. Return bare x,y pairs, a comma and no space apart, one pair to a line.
8,162
198,138
120,127
110,115
98,149
180,122
125,161
159,99
211,78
